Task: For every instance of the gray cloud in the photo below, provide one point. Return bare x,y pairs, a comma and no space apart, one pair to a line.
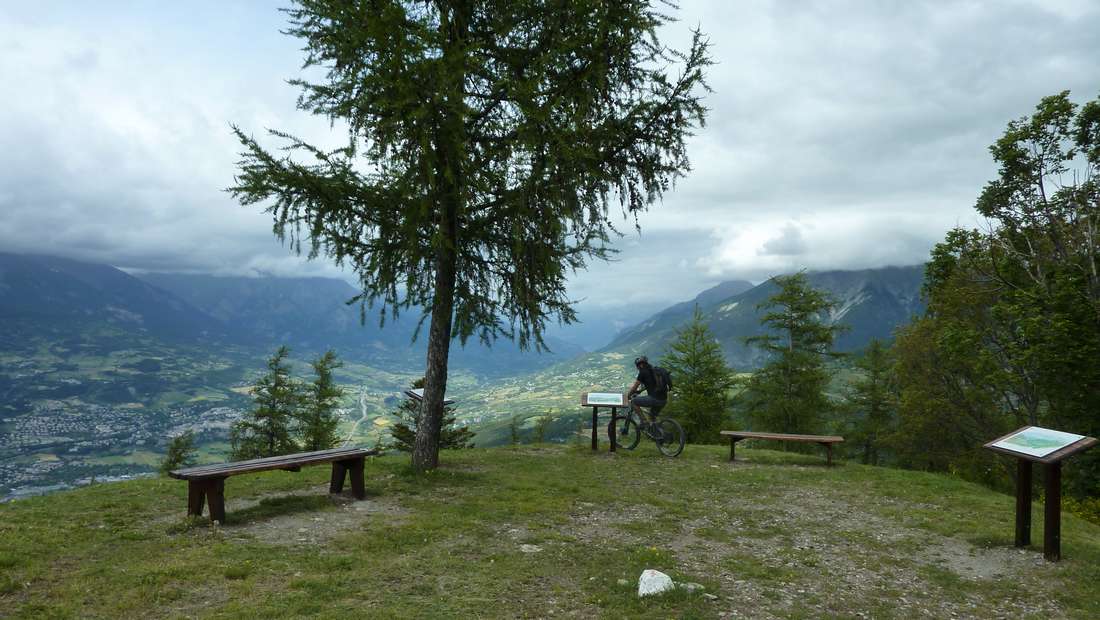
788,243
842,134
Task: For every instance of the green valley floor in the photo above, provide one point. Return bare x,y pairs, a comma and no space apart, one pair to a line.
547,531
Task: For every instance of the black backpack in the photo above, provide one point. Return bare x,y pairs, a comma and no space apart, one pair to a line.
663,378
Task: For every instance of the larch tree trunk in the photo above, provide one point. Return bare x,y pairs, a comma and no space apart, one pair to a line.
450,145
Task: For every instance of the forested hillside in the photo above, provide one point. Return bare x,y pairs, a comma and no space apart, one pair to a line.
871,303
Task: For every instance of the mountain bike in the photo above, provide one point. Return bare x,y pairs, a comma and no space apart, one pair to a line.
626,431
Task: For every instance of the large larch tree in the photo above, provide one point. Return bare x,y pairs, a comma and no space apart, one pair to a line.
486,144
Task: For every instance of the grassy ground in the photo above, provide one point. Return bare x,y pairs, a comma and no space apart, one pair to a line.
547,531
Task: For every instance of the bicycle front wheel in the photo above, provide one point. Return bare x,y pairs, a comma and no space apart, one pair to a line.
623,430
670,437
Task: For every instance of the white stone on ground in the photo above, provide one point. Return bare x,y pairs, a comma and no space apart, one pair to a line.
653,582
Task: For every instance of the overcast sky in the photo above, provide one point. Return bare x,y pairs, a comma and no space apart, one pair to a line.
841,134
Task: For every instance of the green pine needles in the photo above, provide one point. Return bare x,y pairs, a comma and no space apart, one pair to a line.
701,399
181,452
788,394
290,416
871,404
403,431
319,418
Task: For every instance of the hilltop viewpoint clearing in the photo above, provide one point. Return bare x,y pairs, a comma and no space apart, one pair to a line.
548,531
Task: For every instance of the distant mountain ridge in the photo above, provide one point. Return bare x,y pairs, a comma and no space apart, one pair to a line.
678,313
64,296
54,295
872,303
312,314
51,298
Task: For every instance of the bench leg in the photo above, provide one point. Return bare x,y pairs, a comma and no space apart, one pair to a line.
196,497
215,496
339,473
828,454
733,444
355,467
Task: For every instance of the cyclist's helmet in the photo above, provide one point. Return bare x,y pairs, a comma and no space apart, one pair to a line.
641,361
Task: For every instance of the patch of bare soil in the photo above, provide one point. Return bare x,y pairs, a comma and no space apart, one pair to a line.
834,556
812,553
309,527
589,522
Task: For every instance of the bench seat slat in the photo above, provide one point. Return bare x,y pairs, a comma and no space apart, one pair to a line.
220,470
784,436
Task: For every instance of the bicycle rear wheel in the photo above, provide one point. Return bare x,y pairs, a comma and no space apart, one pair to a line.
670,437
623,430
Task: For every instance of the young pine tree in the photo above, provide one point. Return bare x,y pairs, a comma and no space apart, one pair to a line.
317,419
513,431
871,403
266,430
701,379
542,427
181,452
404,431
787,395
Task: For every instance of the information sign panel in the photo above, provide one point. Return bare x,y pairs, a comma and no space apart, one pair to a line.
1036,441
418,395
1033,444
605,398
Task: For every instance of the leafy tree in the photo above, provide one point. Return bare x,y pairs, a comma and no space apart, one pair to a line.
409,412
948,400
485,144
788,395
180,453
702,381
317,419
266,430
1012,330
871,402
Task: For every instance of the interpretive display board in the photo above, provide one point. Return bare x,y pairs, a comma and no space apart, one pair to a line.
1034,444
610,399
1040,444
418,395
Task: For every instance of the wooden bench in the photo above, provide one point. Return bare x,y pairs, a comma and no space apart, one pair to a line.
825,440
206,483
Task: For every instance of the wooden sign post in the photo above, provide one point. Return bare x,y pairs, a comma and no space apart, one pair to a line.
613,400
1033,444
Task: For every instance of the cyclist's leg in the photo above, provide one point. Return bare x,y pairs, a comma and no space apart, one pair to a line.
655,411
652,404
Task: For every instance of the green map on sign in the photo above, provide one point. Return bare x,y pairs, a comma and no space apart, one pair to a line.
1029,441
1039,442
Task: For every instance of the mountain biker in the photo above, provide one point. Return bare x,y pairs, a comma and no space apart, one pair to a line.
656,389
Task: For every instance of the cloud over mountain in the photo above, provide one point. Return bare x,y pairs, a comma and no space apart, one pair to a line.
841,134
